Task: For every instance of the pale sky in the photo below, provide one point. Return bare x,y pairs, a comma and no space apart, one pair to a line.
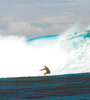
33,18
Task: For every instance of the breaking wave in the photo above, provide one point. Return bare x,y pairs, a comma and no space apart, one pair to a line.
65,53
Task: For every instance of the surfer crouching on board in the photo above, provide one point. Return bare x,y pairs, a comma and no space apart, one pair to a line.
47,70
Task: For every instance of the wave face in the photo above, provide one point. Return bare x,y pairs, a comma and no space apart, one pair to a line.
66,53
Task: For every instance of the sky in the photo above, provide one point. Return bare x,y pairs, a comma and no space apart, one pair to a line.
33,18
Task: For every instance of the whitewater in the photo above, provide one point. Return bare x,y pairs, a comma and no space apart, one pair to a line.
66,53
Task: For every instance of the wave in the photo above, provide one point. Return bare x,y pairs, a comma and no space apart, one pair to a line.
65,53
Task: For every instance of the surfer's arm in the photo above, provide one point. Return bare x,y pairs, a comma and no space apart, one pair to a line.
42,69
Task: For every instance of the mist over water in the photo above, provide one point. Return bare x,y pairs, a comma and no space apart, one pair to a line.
66,53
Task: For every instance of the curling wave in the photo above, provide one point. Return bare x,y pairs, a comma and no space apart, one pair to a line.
66,53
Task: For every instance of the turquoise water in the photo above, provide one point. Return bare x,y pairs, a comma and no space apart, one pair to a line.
60,87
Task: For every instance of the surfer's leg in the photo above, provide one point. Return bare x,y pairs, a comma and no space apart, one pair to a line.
45,73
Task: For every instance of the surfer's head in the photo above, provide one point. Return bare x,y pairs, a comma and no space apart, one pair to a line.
45,66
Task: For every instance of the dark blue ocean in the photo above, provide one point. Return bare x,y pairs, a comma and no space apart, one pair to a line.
59,87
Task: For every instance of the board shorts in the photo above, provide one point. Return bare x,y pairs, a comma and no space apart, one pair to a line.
47,72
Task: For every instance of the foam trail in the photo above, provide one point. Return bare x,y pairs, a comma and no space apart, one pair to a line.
65,53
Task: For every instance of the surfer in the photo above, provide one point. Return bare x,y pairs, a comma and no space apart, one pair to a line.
47,70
